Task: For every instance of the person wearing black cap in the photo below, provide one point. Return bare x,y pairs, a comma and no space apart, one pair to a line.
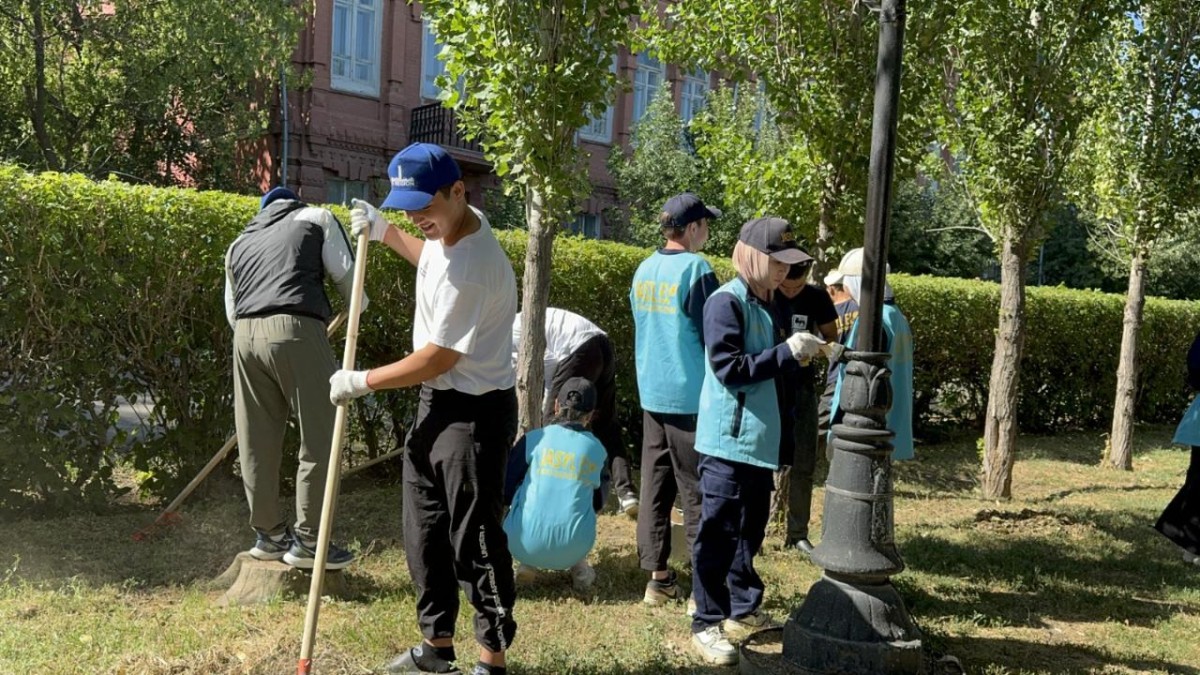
801,306
556,484
275,302
668,295
576,347
738,435
466,298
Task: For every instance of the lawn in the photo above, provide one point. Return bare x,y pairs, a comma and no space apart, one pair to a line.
1068,577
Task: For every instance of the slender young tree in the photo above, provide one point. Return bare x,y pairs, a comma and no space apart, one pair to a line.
1136,170
531,73
1014,95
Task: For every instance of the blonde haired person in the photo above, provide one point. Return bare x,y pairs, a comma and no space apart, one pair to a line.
738,435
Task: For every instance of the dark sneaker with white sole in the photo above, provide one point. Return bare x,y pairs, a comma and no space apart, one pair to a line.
420,660
267,547
303,556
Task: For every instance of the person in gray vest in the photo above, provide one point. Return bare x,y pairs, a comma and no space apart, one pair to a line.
276,304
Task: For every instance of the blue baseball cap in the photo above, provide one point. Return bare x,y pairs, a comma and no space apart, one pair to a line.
275,194
416,173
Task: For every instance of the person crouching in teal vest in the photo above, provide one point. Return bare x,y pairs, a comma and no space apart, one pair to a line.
555,485
738,436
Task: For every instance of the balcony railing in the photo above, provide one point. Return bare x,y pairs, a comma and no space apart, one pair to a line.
435,123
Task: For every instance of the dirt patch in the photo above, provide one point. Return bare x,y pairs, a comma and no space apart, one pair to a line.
1027,521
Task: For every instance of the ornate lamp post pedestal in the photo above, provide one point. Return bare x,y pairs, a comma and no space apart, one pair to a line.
853,620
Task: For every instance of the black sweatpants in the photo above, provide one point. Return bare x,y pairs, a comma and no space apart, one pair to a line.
1180,521
457,452
594,361
669,468
804,460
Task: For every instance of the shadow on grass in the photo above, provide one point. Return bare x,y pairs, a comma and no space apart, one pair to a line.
619,581
100,550
1042,580
1049,658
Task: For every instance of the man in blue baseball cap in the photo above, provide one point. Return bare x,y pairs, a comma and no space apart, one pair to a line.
467,419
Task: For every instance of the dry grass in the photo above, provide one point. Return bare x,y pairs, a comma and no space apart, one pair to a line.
1068,577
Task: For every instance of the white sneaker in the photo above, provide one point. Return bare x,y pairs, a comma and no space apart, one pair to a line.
583,576
742,627
526,574
714,647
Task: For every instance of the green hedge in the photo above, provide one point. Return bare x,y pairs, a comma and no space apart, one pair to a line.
114,291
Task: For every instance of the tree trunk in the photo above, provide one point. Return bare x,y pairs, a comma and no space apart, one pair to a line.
535,296
1121,440
1000,422
38,104
825,231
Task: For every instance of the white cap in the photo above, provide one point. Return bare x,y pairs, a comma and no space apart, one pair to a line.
852,264
834,278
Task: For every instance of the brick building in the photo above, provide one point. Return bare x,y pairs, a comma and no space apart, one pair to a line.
373,67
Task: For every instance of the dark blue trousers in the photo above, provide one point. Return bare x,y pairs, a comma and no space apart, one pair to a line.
735,500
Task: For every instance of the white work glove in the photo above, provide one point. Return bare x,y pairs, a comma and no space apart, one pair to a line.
804,345
347,385
833,351
367,218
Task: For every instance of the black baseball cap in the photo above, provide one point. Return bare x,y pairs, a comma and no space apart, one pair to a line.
686,208
774,237
577,394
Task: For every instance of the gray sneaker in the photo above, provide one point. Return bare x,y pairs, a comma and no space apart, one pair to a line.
303,556
740,628
712,646
583,576
267,547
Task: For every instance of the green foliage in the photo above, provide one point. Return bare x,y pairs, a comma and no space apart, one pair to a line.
159,92
1137,168
532,73
933,232
113,291
816,60
744,168
1017,75
657,166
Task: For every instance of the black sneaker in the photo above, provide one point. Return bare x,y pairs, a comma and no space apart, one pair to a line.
304,556
267,547
661,591
406,664
802,545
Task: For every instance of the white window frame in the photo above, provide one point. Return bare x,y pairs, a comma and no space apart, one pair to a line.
647,80
348,81
600,129
341,191
587,224
692,94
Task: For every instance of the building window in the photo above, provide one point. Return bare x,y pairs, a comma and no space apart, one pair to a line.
692,95
338,191
586,224
599,130
431,67
357,29
646,80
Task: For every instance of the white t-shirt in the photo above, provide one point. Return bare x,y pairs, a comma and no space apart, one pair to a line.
565,332
466,299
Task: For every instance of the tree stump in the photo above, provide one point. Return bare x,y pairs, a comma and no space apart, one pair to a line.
249,581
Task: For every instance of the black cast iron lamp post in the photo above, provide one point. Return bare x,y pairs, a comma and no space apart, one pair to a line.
853,621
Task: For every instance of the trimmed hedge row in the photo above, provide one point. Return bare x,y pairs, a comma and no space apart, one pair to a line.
111,292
